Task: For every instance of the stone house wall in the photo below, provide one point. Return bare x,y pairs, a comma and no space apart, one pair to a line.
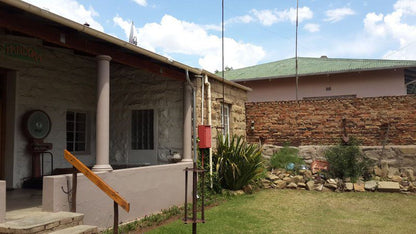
374,121
233,96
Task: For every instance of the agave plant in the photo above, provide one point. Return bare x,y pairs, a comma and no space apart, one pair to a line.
237,162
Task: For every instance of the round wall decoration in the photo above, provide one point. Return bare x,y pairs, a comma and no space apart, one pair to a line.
38,124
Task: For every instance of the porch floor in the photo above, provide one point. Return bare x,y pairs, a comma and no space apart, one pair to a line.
23,200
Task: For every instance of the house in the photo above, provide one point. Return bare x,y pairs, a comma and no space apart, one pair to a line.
112,104
326,78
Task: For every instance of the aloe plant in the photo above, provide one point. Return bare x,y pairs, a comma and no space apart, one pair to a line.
237,162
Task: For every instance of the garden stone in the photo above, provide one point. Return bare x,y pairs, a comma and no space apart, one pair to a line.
396,178
292,185
298,179
272,177
349,186
301,185
410,174
377,178
370,185
384,169
318,187
281,184
310,185
248,189
377,171
287,179
393,172
359,187
388,186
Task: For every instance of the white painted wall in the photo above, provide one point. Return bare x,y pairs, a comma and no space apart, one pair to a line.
147,189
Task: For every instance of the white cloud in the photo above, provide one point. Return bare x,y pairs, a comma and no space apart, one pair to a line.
241,19
312,27
141,2
70,9
392,27
338,14
172,36
270,17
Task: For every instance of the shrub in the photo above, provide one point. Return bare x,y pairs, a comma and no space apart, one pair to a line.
237,162
285,156
346,160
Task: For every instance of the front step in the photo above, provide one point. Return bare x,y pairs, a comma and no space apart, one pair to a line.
42,222
80,229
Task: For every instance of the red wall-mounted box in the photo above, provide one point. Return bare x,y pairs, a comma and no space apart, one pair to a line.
204,134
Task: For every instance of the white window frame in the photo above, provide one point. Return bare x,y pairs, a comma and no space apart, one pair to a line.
225,119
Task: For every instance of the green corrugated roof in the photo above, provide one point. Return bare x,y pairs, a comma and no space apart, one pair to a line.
313,66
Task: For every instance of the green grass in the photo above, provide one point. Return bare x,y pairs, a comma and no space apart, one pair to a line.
289,211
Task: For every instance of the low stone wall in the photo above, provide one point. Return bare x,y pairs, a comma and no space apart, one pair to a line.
397,156
2,200
147,189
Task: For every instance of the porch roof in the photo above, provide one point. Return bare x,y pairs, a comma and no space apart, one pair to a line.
27,19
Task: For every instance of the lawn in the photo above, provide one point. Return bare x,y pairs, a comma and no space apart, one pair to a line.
294,211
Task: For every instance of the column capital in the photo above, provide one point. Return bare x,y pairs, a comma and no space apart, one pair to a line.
103,57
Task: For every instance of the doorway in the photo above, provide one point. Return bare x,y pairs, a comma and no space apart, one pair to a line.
2,121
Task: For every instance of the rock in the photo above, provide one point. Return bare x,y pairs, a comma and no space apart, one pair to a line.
412,187
331,183
387,186
301,185
272,177
287,179
377,178
393,172
396,178
248,189
298,179
236,192
307,175
410,174
377,171
384,169
292,185
349,186
318,187
370,185
310,185
281,184
359,187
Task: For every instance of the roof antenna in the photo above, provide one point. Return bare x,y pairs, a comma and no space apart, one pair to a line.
296,48
132,38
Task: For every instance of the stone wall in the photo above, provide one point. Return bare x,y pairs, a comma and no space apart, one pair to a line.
373,121
395,156
233,96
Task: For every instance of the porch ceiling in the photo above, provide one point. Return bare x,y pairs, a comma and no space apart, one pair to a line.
19,21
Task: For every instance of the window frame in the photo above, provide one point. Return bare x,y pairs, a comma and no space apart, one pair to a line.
152,128
87,141
225,109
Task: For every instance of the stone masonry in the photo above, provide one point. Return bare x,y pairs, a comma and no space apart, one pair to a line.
375,121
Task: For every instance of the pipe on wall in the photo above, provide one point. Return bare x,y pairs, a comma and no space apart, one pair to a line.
206,82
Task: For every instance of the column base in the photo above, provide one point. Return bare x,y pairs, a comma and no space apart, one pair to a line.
98,168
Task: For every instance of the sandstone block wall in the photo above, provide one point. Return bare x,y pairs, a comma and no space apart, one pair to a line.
373,121
233,96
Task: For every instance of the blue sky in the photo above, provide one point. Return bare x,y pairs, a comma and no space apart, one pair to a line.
256,32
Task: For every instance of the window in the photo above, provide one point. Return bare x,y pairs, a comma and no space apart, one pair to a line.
142,135
76,132
225,119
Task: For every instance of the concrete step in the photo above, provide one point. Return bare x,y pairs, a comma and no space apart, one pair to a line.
80,229
41,222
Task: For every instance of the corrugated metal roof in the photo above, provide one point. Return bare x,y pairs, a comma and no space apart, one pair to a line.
313,66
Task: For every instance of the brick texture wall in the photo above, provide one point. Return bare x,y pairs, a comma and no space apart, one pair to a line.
320,122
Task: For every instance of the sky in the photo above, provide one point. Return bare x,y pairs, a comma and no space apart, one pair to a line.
256,31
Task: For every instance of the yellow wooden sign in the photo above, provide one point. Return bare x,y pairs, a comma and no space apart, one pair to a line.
97,180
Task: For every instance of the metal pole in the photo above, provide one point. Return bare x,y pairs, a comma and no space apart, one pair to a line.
296,48
186,196
194,201
115,226
74,190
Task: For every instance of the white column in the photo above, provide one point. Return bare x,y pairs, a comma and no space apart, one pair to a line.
187,123
103,114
